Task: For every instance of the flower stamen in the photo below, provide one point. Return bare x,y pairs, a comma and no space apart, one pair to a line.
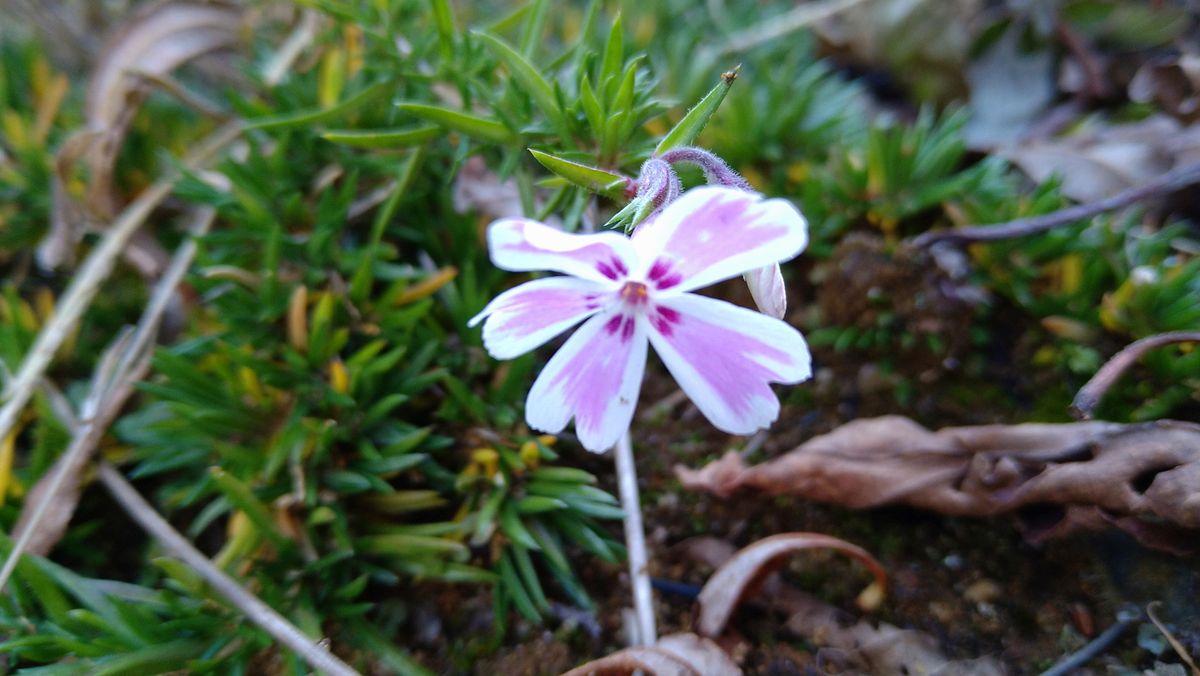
635,293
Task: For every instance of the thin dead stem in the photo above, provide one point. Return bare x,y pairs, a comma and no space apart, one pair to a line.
254,609
1089,396
95,419
300,39
124,363
1171,181
90,279
1152,613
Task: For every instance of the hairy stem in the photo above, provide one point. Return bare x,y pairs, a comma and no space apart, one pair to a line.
635,541
716,170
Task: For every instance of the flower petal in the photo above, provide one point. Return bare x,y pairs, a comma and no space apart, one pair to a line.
520,244
596,377
724,356
714,233
528,315
768,290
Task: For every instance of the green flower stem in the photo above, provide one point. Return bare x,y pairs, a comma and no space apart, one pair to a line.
635,542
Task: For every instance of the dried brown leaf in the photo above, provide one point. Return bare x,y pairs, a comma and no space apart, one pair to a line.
1100,162
875,649
674,655
702,654
155,41
853,645
1173,85
743,574
1142,478
1010,88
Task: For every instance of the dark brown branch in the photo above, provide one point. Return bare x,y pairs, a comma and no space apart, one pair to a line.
1089,395
1171,181
1094,85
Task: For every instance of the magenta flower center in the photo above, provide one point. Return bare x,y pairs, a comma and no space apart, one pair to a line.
635,294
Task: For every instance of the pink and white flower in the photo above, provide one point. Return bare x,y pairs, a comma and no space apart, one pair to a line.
637,291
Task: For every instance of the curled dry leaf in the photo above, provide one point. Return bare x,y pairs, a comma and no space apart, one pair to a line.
1142,478
674,655
745,572
852,644
1173,84
155,41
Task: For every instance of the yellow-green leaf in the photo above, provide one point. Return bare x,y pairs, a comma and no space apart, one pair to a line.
383,138
597,180
466,123
685,133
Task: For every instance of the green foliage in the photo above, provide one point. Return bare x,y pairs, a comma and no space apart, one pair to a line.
36,106
324,421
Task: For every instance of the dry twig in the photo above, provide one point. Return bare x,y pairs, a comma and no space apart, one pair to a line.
90,279
124,363
1171,181
255,610
1089,396
1152,613
1085,654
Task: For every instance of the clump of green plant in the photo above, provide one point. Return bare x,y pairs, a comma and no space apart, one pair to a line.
320,418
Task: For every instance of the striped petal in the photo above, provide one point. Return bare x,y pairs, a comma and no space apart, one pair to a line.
528,315
595,377
520,245
714,233
725,357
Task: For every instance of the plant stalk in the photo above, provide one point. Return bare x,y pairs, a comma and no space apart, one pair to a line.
635,542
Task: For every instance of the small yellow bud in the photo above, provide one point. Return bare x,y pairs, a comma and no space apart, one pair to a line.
297,319
7,448
339,378
530,454
488,460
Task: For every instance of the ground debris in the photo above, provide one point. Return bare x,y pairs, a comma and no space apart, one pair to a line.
1141,478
